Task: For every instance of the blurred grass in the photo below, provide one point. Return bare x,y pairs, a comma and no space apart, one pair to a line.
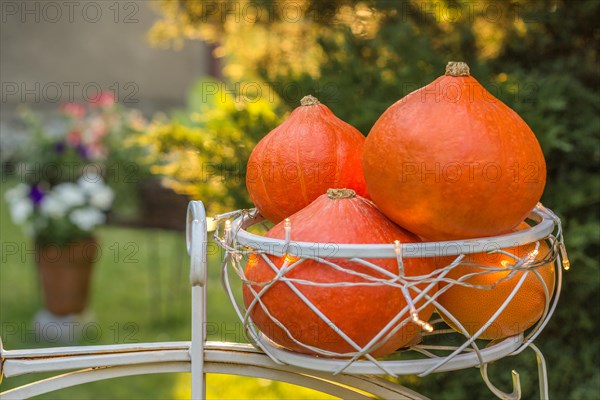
242,388
140,293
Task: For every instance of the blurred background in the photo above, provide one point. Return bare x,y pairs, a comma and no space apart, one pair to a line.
169,98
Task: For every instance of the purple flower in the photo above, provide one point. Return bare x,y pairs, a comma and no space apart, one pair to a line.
59,147
36,194
82,151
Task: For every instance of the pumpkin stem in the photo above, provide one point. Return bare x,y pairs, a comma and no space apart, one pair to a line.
334,194
309,101
457,68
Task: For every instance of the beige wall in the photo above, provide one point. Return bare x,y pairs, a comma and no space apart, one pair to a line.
53,50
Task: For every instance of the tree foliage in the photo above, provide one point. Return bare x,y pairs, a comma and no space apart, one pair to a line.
539,57
201,151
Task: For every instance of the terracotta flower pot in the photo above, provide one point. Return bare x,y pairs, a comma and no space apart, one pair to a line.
65,273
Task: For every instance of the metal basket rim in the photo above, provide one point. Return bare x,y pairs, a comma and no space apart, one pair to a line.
278,247
413,366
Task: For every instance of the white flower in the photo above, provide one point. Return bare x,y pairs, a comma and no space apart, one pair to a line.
102,198
87,218
18,193
21,210
53,207
101,195
70,194
21,206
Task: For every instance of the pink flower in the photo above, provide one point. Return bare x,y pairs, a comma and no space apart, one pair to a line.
98,129
74,110
74,138
104,99
97,151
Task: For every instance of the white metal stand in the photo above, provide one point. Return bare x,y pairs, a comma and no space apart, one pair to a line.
198,356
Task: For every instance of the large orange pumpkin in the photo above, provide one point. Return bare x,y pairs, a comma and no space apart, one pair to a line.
298,161
451,161
362,311
473,307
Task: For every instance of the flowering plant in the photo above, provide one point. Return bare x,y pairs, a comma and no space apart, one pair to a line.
66,169
64,212
91,133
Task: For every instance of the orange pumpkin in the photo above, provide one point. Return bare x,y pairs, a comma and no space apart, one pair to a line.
360,311
473,307
298,161
450,161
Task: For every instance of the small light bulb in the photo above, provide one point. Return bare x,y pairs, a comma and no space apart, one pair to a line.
287,228
565,258
534,253
252,260
211,224
290,259
398,251
423,324
227,231
287,231
530,258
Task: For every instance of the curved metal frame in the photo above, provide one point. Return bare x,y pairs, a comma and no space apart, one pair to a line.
107,362
94,363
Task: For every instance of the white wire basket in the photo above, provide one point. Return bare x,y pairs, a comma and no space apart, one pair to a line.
438,348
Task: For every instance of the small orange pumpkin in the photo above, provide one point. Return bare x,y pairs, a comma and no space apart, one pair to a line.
360,311
473,307
310,152
450,161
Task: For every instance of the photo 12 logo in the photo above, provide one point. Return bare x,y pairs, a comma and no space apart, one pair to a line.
69,171
470,11
69,11
22,252
465,171
67,92
70,331
250,11
269,91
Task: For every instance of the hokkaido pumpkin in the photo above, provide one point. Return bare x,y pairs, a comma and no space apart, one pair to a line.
360,311
310,152
472,307
451,161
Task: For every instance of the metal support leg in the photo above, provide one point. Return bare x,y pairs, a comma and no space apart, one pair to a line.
197,346
542,372
196,238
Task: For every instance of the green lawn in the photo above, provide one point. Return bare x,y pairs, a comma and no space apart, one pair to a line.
140,294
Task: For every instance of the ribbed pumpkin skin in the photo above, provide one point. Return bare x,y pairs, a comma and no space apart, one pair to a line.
359,311
450,161
473,307
298,161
